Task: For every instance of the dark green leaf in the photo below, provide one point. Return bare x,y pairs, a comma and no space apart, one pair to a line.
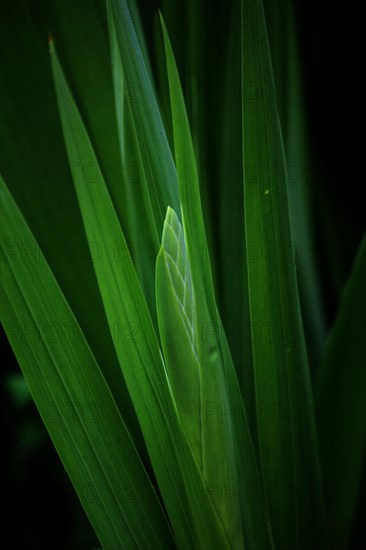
285,417
340,394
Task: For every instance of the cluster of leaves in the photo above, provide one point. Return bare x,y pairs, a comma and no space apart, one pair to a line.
194,437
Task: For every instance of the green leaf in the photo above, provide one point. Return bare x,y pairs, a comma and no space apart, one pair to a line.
340,392
140,217
157,161
162,80
197,50
72,396
35,157
81,33
228,458
178,332
302,176
285,416
234,299
186,499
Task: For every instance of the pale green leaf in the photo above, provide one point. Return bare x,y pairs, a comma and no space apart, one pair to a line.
181,485
176,317
228,456
151,138
140,217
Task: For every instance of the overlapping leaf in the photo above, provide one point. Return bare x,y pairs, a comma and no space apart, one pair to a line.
285,417
181,485
302,177
340,393
232,251
228,458
140,217
178,331
155,153
35,157
72,395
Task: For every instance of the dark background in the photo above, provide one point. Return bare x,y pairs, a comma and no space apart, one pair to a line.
40,506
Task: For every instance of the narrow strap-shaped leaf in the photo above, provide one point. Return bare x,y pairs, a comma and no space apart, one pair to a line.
162,80
188,503
228,458
81,33
34,161
285,416
140,216
72,396
151,137
135,20
234,303
302,177
340,396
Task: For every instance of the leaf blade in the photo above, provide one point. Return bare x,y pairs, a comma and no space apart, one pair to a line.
179,479
340,390
98,455
287,438
156,154
245,519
